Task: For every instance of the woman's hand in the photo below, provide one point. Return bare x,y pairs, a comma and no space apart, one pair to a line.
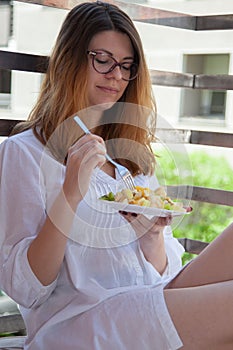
83,157
151,239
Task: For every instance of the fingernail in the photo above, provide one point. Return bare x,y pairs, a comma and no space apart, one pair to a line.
123,212
134,214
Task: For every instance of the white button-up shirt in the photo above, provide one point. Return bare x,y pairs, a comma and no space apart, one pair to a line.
102,259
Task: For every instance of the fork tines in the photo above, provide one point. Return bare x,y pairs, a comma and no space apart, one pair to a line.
128,179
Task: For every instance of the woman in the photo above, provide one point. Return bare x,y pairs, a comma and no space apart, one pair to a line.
86,277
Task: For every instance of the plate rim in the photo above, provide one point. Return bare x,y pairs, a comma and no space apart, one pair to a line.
133,208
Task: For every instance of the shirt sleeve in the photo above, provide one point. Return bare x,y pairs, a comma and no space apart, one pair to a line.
22,214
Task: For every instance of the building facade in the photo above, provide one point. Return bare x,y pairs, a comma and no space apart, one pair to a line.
33,29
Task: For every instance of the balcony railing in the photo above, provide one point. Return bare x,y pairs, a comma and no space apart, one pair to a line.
146,14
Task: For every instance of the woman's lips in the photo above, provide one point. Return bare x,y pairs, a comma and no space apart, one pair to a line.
108,89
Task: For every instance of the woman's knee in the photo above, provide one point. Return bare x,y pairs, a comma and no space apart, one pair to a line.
203,316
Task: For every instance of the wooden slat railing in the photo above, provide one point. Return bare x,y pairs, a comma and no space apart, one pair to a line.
23,62
210,138
36,63
195,137
147,14
6,126
192,245
201,194
11,323
192,81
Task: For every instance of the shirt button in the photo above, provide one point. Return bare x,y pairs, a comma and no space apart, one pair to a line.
42,293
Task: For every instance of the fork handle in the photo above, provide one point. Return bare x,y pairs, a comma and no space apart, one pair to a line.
82,125
87,131
111,160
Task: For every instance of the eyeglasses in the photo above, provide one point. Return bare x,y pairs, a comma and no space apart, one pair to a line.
104,63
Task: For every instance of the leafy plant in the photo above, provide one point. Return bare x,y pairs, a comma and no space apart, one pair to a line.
203,169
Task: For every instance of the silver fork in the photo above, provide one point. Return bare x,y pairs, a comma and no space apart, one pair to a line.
123,171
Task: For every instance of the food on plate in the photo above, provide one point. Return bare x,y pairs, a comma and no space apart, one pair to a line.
143,196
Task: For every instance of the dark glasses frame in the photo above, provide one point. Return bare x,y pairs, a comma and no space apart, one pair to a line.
116,64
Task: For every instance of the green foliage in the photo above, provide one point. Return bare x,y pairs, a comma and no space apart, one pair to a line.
207,220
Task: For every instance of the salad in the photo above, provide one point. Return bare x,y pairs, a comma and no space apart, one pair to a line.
143,196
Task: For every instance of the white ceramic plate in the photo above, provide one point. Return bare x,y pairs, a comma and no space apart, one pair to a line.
132,208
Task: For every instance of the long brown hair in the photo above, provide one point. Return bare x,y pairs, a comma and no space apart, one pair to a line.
63,91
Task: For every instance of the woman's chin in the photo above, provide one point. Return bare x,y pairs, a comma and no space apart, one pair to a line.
104,106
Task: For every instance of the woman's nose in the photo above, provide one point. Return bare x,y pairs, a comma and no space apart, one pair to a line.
115,73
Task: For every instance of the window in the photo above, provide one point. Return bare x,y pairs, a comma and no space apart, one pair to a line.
217,104
205,105
6,22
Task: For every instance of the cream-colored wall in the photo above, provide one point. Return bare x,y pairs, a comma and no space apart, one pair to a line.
5,23
35,30
195,7
36,27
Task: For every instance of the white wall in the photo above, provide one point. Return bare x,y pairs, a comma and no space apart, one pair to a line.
5,24
196,7
35,30
36,27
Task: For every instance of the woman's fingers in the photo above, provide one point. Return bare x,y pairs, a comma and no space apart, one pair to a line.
143,224
84,139
155,220
86,148
85,155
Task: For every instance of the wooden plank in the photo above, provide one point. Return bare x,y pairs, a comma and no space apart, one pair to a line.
180,191
197,23
6,126
193,246
193,81
208,138
165,135
147,14
11,323
138,12
23,62
201,194
173,136
172,79
210,195
213,82
166,18
37,63
214,22
211,138
60,4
